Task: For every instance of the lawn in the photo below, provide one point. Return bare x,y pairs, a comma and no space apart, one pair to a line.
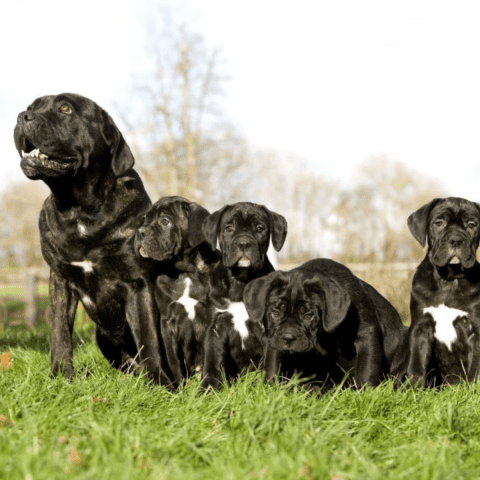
108,425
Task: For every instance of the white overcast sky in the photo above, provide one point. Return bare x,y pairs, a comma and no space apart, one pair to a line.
334,82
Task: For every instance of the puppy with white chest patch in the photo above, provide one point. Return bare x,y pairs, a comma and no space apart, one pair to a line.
445,298
172,235
243,231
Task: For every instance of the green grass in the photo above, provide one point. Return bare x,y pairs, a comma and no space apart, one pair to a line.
111,426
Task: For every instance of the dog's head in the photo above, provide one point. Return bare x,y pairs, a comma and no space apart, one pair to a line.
171,226
243,231
295,308
451,226
67,134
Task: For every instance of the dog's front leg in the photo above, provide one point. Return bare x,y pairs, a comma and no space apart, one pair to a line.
215,352
272,363
144,321
63,305
420,351
474,364
368,364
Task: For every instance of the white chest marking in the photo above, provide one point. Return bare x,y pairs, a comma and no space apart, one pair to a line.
87,302
187,301
86,265
444,317
239,318
82,229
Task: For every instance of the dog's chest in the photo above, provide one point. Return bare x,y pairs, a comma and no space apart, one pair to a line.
444,318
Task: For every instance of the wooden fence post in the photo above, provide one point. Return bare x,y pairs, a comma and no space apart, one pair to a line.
31,312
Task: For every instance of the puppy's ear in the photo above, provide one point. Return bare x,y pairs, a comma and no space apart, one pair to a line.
278,229
196,216
255,295
418,221
122,157
337,301
210,227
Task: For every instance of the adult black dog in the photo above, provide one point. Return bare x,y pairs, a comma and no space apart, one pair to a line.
243,231
172,235
445,298
321,321
87,227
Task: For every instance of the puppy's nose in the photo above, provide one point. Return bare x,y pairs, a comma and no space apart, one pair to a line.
456,242
244,243
141,233
288,338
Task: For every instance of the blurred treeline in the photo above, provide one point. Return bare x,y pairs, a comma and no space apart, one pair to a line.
185,144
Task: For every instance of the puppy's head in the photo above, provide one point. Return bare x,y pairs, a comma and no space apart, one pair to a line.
65,135
451,226
172,226
243,231
295,308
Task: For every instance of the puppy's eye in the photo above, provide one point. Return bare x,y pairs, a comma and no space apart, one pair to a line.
65,108
260,228
309,316
229,228
165,222
275,314
471,224
439,223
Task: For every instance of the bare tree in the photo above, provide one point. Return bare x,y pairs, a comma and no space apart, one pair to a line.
372,217
180,132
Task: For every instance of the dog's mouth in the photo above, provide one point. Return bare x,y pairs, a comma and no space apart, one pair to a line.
34,156
454,260
244,262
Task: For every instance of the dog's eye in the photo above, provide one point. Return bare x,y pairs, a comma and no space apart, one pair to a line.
309,316
165,222
471,224
275,314
439,223
260,228
229,228
65,108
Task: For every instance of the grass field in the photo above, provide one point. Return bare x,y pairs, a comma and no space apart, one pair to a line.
108,425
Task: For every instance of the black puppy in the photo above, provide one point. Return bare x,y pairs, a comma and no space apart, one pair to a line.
172,235
243,231
321,321
445,299
86,228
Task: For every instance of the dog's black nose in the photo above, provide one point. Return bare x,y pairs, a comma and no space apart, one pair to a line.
456,242
141,233
26,116
288,338
244,243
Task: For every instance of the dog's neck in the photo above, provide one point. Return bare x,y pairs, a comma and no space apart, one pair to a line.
450,273
88,191
239,277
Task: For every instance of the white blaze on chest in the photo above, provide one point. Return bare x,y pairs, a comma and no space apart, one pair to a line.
82,229
86,265
444,317
239,318
187,301
87,302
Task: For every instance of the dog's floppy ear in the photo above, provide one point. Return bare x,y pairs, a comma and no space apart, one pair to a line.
210,226
255,295
418,221
122,157
278,229
337,301
196,216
